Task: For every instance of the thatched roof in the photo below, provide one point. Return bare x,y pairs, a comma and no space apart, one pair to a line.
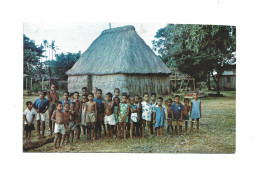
178,75
119,50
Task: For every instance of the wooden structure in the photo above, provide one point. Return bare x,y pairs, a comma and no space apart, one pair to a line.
227,81
184,79
119,58
26,81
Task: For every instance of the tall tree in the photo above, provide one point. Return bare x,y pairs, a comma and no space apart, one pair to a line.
198,49
46,45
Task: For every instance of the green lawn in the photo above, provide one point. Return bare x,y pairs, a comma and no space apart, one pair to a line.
217,134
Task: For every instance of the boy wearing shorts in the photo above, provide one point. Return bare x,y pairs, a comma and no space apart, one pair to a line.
186,113
72,123
78,114
67,119
100,114
116,105
177,109
134,120
170,115
28,116
109,119
146,113
153,103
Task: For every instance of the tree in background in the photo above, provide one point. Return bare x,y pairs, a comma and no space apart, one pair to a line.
198,50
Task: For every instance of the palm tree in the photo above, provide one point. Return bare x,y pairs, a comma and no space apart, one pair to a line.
46,44
53,48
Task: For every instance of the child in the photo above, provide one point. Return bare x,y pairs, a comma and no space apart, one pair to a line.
66,99
123,112
67,119
140,100
116,105
177,109
153,103
72,123
41,105
147,112
109,119
83,112
186,112
170,115
78,114
139,114
28,116
71,97
134,117
95,92
159,116
100,114
91,115
53,97
84,91
195,111
59,129
117,93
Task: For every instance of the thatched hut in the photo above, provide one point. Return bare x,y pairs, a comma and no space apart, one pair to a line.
120,58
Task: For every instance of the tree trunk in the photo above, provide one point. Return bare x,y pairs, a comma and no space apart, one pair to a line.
208,81
217,84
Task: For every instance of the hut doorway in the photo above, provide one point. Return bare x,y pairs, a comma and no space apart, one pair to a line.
89,85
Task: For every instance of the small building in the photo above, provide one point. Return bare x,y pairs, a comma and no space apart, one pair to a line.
119,58
227,80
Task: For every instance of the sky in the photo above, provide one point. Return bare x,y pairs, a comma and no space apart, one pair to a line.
74,37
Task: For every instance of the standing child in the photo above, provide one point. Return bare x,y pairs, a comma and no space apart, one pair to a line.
153,103
67,119
100,114
186,112
139,114
177,109
109,119
71,97
195,111
116,105
41,105
28,116
117,93
78,114
95,92
140,100
170,115
159,116
84,92
133,117
72,123
123,115
147,112
66,99
90,115
59,129
83,112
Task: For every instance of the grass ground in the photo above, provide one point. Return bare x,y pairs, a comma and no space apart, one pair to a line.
217,134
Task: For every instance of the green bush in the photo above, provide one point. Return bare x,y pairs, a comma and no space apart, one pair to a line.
35,88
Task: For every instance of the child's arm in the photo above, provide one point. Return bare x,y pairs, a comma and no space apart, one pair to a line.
190,108
53,117
119,114
24,117
85,115
200,109
154,118
32,119
96,112
47,106
128,111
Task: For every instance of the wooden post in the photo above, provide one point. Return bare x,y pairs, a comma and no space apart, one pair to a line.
175,81
193,84
31,83
26,83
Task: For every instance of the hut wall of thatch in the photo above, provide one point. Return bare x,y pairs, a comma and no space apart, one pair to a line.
130,84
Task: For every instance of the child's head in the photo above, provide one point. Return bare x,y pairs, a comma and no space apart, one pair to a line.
186,101
117,91
95,90
99,93
59,106
90,96
71,95
136,98
84,90
29,104
66,106
146,97
140,99
177,98
195,95
109,96
66,95
116,100
124,98
72,105
76,95
131,100
169,102
42,94
159,101
53,87
84,98
153,97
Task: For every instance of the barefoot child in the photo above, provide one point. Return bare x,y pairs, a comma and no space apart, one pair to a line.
170,116
140,100
72,123
67,119
117,93
28,116
95,92
116,105
41,105
177,109
59,129
153,103
147,112
109,119
71,97
123,112
100,114
53,97
78,114
83,112
139,114
90,116
186,112
195,111
66,99
133,117
159,116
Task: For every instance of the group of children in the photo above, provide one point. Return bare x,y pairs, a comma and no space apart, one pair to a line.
114,113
